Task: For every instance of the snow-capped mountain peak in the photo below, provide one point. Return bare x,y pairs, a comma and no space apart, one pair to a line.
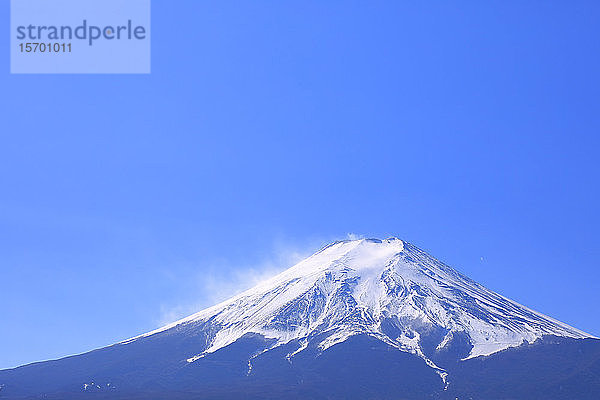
386,289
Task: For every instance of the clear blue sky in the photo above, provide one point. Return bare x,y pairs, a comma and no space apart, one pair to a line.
268,128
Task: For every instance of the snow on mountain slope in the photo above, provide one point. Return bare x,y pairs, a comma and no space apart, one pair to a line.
387,289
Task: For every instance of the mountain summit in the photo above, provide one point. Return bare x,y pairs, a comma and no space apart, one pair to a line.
386,289
370,302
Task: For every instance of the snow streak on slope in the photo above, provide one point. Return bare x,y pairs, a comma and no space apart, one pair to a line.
386,289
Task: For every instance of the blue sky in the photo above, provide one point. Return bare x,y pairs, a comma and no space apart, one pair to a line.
267,129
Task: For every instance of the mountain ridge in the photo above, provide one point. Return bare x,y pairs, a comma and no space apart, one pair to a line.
338,290
364,318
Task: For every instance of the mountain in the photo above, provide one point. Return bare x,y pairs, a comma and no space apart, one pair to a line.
378,319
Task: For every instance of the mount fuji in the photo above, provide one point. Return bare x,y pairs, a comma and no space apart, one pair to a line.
369,318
